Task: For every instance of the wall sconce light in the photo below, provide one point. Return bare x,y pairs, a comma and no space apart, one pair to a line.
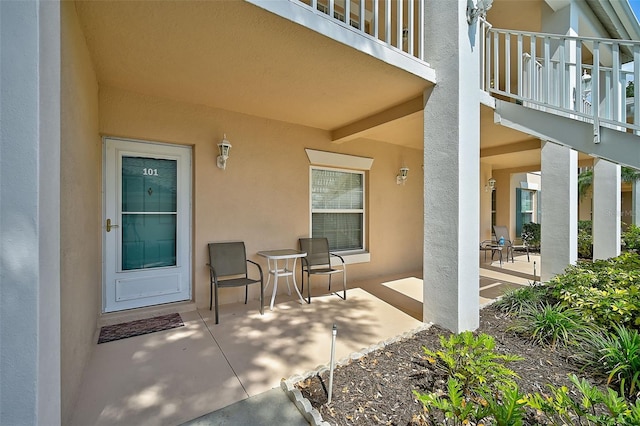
401,178
224,148
490,186
479,10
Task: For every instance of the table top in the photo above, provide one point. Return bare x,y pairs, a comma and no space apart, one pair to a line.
282,254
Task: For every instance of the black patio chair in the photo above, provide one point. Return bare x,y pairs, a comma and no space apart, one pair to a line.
503,231
318,262
228,268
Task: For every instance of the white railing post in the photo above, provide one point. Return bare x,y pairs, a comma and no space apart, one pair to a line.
376,17
496,60
636,86
615,85
546,82
507,61
410,26
487,55
533,86
387,21
562,92
520,58
421,24
399,26
595,92
579,104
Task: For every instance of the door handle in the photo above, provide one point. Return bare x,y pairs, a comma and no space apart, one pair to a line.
109,225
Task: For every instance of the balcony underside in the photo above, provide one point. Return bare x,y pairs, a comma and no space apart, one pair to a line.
617,146
236,56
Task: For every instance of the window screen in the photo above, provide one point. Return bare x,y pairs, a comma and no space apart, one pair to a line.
337,208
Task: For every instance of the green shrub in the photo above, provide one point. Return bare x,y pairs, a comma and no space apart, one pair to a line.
548,325
585,239
502,408
506,408
531,234
454,405
606,292
586,405
473,362
478,384
630,239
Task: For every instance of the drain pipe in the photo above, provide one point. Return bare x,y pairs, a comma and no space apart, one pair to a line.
334,332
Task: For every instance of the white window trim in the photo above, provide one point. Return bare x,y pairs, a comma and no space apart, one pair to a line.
347,163
335,160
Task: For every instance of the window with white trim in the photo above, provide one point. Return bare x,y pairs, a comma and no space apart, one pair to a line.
337,207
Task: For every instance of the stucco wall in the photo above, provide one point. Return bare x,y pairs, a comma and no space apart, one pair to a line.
504,206
485,202
80,207
262,197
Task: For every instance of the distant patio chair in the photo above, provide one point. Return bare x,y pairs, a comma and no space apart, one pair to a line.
503,231
229,259
318,262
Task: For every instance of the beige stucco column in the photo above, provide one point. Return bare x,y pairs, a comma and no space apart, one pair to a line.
451,169
559,224
635,203
30,211
606,209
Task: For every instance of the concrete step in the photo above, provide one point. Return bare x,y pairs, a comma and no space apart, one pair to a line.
270,408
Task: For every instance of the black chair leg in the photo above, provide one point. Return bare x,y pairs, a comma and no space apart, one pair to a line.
261,298
216,297
246,294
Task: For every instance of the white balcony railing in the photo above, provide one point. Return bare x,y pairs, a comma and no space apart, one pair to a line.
590,79
398,24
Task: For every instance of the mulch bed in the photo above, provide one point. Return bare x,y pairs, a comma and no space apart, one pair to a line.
377,388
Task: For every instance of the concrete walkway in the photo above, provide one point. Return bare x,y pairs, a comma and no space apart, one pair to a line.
269,408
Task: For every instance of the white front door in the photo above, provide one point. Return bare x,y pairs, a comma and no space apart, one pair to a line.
147,224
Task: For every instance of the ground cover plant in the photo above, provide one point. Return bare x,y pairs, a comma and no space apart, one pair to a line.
631,238
566,352
585,239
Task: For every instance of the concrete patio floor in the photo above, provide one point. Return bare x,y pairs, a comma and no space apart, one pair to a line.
173,376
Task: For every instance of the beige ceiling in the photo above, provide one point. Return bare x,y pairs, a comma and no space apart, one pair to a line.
236,56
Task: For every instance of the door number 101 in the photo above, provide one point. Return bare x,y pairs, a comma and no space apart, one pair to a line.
150,172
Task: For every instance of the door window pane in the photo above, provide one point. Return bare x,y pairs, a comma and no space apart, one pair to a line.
148,185
149,215
148,241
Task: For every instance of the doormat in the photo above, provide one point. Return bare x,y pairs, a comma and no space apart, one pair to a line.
110,333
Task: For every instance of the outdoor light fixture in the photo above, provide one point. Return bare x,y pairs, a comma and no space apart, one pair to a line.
479,10
401,178
224,148
491,185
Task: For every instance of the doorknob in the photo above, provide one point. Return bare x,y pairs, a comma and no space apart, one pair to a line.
109,225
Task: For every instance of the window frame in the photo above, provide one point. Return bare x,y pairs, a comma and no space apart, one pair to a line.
363,210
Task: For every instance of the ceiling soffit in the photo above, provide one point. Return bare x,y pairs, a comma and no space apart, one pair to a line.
236,56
